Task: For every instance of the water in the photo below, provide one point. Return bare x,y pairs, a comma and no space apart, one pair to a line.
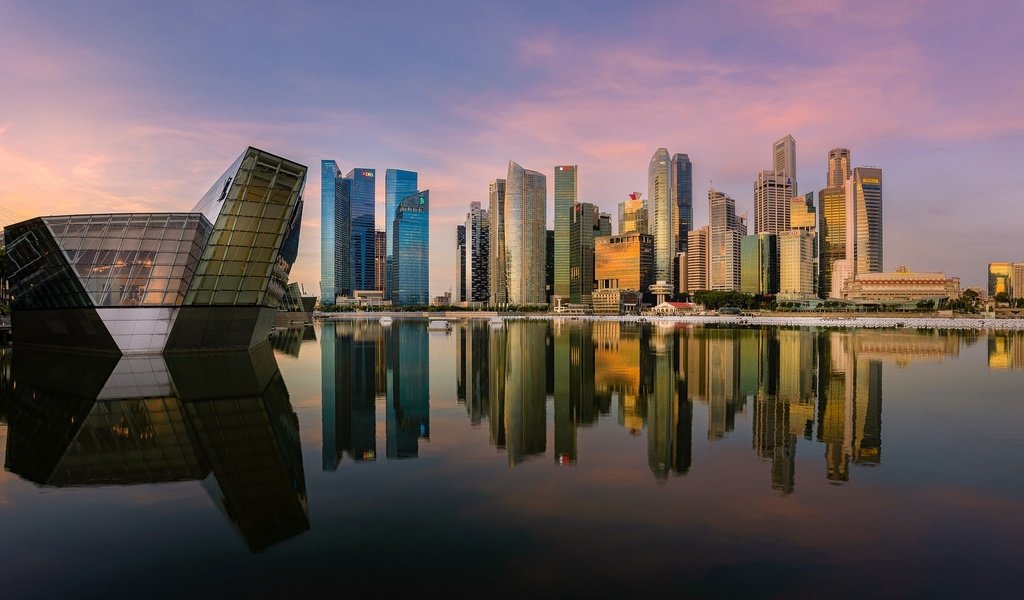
569,459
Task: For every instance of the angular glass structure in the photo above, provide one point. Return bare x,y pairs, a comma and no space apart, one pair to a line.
147,282
363,235
397,185
412,250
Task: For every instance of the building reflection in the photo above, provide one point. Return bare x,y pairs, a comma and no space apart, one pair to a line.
362,365
288,340
824,387
1006,350
222,418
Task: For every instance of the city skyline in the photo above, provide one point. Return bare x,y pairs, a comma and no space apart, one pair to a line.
87,129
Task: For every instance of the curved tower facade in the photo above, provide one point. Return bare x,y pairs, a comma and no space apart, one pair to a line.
661,212
525,234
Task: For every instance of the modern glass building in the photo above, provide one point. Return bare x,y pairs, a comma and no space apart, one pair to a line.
335,233
566,197
476,255
838,167
146,282
724,250
624,262
460,263
999,278
759,272
499,265
584,229
363,237
864,220
380,271
633,214
661,210
397,185
831,235
682,193
525,230
411,268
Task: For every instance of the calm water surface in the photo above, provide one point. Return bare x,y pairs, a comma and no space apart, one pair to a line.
564,459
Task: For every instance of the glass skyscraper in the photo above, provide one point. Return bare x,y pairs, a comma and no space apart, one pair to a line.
397,185
411,268
361,243
566,197
525,231
661,211
864,220
334,233
682,193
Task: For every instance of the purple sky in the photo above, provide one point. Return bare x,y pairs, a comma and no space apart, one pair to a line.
108,106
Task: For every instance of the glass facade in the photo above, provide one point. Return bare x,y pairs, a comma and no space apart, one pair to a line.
624,262
661,210
566,196
831,234
864,224
361,249
525,230
682,192
39,274
334,232
759,271
245,263
498,270
412,250
585,228
397,185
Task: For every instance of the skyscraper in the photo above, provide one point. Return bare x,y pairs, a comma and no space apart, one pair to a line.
697,263
864,220
727,231
499,264
802,214
397,185
1017,280
624,262
838,167
759,272
477,254
784,158
772,194
1000,278
604,221
380,270
796,264
661,210
585,227
335,219
682,193
411,265
460,263
525,230
566,197
362,240
831,235
633,214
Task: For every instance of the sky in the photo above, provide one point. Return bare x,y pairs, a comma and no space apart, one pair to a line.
135,106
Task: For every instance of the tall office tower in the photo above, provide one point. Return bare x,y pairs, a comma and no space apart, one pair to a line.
682,193
604,224
585,227
838,167
335,228
698,243
999,278
411,266
727,233
661,210
1017,280
361,242
549,265
759,272
784,158
566,197
460,263
397,185
773,192
802,214
499,264
633,214
477,254
380,265
864,220
796,264
525,215
624,262
831,235
682,277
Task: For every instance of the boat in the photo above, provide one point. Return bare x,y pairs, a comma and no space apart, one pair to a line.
385,321
439,325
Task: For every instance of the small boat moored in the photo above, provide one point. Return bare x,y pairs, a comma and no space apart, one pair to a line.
385,321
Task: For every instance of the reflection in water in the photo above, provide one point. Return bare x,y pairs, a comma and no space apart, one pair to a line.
289,339
823,386
361,363
225,419
1006,350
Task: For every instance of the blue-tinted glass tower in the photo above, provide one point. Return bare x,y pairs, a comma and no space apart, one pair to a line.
397,185
412,244
682,193
362,192
335,231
